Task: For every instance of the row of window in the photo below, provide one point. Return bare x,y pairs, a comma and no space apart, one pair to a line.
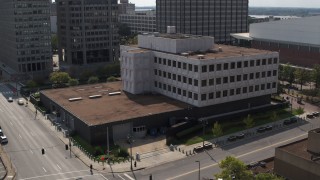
214,95
213,81
215,67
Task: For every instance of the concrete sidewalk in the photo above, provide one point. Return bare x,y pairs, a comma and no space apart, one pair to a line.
10,171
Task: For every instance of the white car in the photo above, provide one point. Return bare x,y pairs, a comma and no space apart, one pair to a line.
1,133
10,99
3,139
20,101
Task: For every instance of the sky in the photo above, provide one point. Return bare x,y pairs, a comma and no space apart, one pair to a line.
255,3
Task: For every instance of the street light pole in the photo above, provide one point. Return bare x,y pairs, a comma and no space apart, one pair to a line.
199,170
130,141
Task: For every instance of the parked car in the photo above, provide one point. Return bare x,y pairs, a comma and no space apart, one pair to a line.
240,136
10,99
1,133
269,127
286,122
315,114
232,138
293,120
3,139
261,129
309,116
20,101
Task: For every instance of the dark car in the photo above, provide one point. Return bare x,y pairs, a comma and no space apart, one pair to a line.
261,129
315,114
286,122
269,127
294,120
232,138
309,116
240,136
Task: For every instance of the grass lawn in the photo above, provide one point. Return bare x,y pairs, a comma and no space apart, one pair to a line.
235,125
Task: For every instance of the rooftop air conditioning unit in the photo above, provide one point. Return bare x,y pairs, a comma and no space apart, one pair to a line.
200,56
75,99
220,49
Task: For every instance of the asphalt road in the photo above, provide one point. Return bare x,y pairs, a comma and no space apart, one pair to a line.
248,150
27,136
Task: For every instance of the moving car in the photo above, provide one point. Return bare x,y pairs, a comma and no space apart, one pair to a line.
20,101
261,129
232,138
240,136
3,139
269,127
10,99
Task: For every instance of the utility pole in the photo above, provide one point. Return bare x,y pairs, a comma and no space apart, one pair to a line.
130,141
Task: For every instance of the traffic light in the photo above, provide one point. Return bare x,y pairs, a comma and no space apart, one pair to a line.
42,151
67,147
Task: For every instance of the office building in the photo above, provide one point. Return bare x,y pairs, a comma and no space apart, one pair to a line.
139,21
87,34
125,7
217,18
297,40
25,49
53,18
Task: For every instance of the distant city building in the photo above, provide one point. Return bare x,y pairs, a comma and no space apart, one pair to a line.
139,21
53,18
125,7
87,34
299,160
260,18
194,70
296,40
217,18
25,49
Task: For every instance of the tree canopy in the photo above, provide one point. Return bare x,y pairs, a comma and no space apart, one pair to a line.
59,77
248,121
217,130
93,80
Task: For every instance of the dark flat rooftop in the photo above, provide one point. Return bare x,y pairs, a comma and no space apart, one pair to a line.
109,109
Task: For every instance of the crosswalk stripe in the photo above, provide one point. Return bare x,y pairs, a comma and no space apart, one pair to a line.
128,176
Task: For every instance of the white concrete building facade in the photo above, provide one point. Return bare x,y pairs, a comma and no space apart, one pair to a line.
200,76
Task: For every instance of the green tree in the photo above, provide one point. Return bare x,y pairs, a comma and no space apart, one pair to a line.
316,75
288,73
54,42
111,79
93,80
274,117
59,77
73,82
31,84
217,130
267,176
302,75
233,168
248,121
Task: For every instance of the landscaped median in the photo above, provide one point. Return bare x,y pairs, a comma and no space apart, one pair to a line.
195,134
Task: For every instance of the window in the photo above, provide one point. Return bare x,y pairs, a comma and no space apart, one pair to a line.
160,73
155,72
184,79
179,64
231,79
218,94
218,67
174,63
195,82
245,64
179,78
184,65
233,65
250,88
155,84
211,82
270,61
190,95
225,80
225,66
155,60
160,85
195,96
238,78
264,61
190,67
257,75
258,62
169,62
204,83
195,68
204,68
169,88
190,81
263,74
160,61
274,72
239,64
245,77
256,88
251,75
210,95
203,97
231,92
218,80
274,85
174,89
269,74
174,76
275,60
184,93
211,68
169,75
251,63
225,93
268,85
263,86
164,74
164,62
179,91
244,90
164,87
238,91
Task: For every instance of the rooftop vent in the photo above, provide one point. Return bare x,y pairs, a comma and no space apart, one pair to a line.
185,54
156,34
171,29
95,96
80,89
75,99
200,56
220,49
114,93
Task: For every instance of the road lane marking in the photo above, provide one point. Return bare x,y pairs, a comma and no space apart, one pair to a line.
242,155
104,177
37,177
79,177
128,176
20,136
59,167
120,177
44,169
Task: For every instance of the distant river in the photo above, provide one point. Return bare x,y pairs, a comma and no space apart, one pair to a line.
281,17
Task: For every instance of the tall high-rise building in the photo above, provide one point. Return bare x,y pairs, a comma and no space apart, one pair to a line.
25,48
216,18
87,33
